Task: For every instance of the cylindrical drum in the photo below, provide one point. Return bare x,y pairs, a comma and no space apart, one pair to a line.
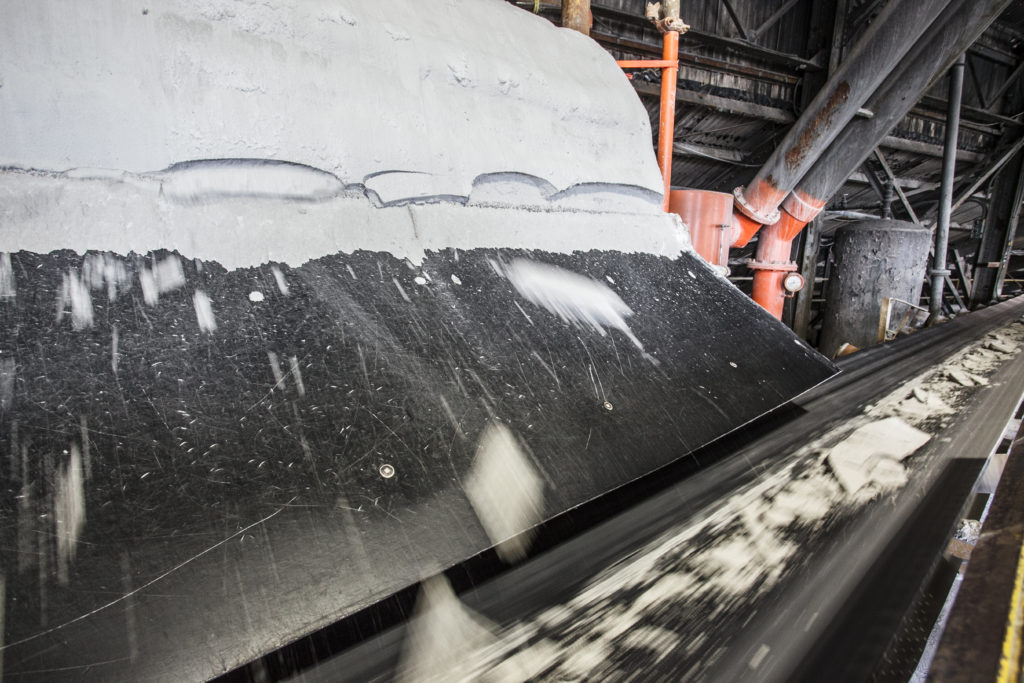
708,215
879,270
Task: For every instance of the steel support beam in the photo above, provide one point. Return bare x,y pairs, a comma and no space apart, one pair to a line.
1010,80
939,270
896,186
879,51
1000,230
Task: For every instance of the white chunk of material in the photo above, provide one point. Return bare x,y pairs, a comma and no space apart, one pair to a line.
74,294
106,269
68,512
204,311
872,454
575,298
455,279
282,284
7,290
256,297
505,491
166,276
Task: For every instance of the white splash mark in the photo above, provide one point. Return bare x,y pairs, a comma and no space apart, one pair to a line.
68,512
505,491
104,269
293,362
150,293
83,426
7,290
691,274
759,656
420,280
74,294
351,272
733,364
401,290
575,298
282,284
204,311
455,279
275,367
256,297
525,315
442,636
165,276
8,373
114,355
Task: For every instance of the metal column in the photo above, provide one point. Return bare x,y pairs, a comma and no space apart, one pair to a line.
939,270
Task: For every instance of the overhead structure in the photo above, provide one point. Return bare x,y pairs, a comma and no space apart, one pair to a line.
908,45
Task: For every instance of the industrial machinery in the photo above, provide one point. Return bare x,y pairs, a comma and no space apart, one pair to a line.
305,303
269,305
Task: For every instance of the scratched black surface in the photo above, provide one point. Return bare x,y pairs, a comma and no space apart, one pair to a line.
192,439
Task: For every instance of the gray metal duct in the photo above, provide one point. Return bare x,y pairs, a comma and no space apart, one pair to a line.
887,41
958,27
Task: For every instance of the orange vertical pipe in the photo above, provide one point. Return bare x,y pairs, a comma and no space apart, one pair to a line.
771,267
666,128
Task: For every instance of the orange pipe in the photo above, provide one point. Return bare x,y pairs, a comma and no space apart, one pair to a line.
666,129
774,247
708,215
644,63
771,267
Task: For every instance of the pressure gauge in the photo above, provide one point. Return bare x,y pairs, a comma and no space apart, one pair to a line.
794,282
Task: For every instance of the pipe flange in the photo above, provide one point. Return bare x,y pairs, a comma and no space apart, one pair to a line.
750,212
801,209
672,24
754,264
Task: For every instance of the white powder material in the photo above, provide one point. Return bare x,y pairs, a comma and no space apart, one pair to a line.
584,662
105,269
216,80
165,276
961,377
7,288
58,212
68,512
74,294
8,374
575,298
873,452
442,636
524,665
282,284
505,491
204,311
